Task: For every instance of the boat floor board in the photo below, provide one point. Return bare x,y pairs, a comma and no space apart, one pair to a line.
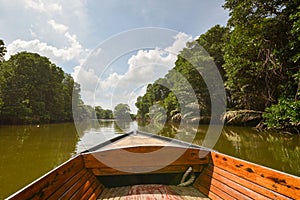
152,191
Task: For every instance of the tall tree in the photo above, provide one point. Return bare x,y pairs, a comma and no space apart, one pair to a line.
2,72
171,92
2,50
258,56
213,42
122,112
35,90
103,113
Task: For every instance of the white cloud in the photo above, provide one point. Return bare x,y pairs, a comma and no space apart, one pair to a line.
48,29
180,42
71,52
43,6
60,28
144,67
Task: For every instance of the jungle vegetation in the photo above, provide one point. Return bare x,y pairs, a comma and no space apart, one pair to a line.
258,56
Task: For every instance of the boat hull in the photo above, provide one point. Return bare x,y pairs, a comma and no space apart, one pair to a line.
107,168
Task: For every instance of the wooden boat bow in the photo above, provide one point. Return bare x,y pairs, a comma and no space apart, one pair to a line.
140,166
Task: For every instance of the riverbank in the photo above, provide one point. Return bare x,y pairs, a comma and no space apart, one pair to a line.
243,117
249,118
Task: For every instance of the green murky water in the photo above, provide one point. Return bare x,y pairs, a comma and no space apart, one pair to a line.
27,152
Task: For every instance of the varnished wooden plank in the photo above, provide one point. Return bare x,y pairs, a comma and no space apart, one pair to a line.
206,192
144,156
216,187
213,171
267,193
97,192
204,180
83,188
152,191
205,188
188,193
58,193
68,194
203,184
279,182
137,140
168,169
240,191
90,190
44,186
58,181
201,188
114,193
236,190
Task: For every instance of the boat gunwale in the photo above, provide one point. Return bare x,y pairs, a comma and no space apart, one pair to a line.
44,176
257,165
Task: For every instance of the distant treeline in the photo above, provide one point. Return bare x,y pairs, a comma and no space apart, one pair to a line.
258,56
103,113
121,112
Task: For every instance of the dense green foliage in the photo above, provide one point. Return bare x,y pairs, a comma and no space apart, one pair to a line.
122,112
2,50
163,94
213,41
258,56
103,113
34,90
262,59
284,115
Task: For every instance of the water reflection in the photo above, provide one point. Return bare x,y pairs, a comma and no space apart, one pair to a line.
94,132
276,150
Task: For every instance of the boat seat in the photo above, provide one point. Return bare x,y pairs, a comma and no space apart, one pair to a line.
152,191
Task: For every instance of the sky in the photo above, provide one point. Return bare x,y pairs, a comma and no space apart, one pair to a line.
70,31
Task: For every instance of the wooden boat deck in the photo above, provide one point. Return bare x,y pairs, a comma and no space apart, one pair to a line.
140,139
140,192
136,140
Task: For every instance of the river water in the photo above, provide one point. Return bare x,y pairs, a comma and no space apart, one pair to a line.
27,152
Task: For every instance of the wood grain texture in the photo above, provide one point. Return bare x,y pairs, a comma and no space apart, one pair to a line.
58,193
211,188
70,180
103,171
152,191
72,190
136,140
47,184
144,159
88,186
258,190
221,176
217,183
276,181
